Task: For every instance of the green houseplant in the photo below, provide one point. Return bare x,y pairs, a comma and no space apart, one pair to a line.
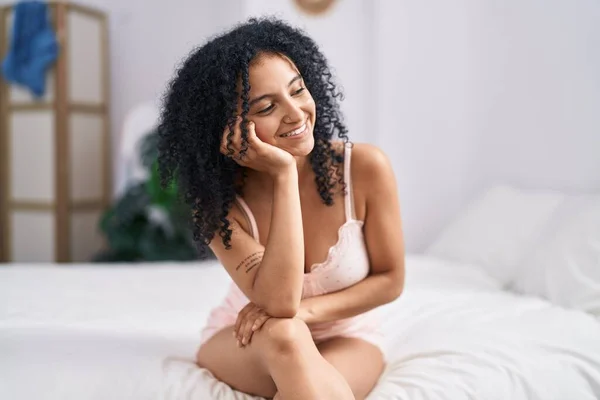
148,223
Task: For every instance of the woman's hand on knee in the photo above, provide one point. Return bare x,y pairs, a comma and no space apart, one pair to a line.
250,319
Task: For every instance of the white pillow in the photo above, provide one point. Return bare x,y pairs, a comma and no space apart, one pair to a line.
496,230
564,267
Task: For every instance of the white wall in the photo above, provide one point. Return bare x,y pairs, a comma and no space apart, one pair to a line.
425,104
147,40
538,81
476,92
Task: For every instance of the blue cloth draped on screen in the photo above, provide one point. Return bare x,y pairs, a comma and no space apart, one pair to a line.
33,47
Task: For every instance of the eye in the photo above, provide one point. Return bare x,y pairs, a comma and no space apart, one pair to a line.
266,110
299,91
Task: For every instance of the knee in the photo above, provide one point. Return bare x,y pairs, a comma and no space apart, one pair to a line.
200,357
284,335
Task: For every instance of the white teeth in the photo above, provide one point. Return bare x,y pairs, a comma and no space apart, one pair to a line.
295,131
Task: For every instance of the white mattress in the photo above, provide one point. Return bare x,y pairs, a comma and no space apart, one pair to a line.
124,332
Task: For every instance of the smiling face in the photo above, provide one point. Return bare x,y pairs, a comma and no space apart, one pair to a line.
281,107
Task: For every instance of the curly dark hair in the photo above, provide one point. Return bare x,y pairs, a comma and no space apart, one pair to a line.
202,100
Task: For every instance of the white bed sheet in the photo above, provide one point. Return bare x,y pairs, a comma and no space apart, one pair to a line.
130,333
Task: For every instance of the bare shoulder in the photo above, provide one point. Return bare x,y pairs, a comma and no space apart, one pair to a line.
369,162
372,176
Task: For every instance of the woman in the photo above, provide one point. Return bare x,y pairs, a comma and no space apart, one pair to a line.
312,241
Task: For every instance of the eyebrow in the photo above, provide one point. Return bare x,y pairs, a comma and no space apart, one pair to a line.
256,100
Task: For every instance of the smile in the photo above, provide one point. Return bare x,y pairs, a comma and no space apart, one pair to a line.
296,132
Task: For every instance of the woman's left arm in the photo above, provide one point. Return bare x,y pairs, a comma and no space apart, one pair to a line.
372,174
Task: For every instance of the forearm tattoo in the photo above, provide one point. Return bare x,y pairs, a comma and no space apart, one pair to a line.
253,260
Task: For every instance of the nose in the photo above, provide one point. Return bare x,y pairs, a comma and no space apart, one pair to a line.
294,113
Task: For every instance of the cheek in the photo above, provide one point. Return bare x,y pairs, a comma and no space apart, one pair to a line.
310,104
265,129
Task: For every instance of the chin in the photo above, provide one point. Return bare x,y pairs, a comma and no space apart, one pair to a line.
307,146
302,148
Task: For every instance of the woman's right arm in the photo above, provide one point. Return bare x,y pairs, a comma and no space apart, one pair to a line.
282,269
271,276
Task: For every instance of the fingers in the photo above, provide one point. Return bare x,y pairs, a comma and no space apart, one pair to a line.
254,142
255,321
242,315
260,321
232,144
228,142
240,321
250,319
252,138
246,330
236,141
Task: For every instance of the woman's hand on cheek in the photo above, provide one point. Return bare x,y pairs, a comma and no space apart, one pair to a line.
259,155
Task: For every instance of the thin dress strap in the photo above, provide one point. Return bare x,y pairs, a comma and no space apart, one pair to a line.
349,195
249,217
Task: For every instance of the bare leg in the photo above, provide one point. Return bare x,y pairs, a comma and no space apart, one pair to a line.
282,358
360,362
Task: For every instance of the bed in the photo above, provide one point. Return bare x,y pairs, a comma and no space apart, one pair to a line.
472,323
